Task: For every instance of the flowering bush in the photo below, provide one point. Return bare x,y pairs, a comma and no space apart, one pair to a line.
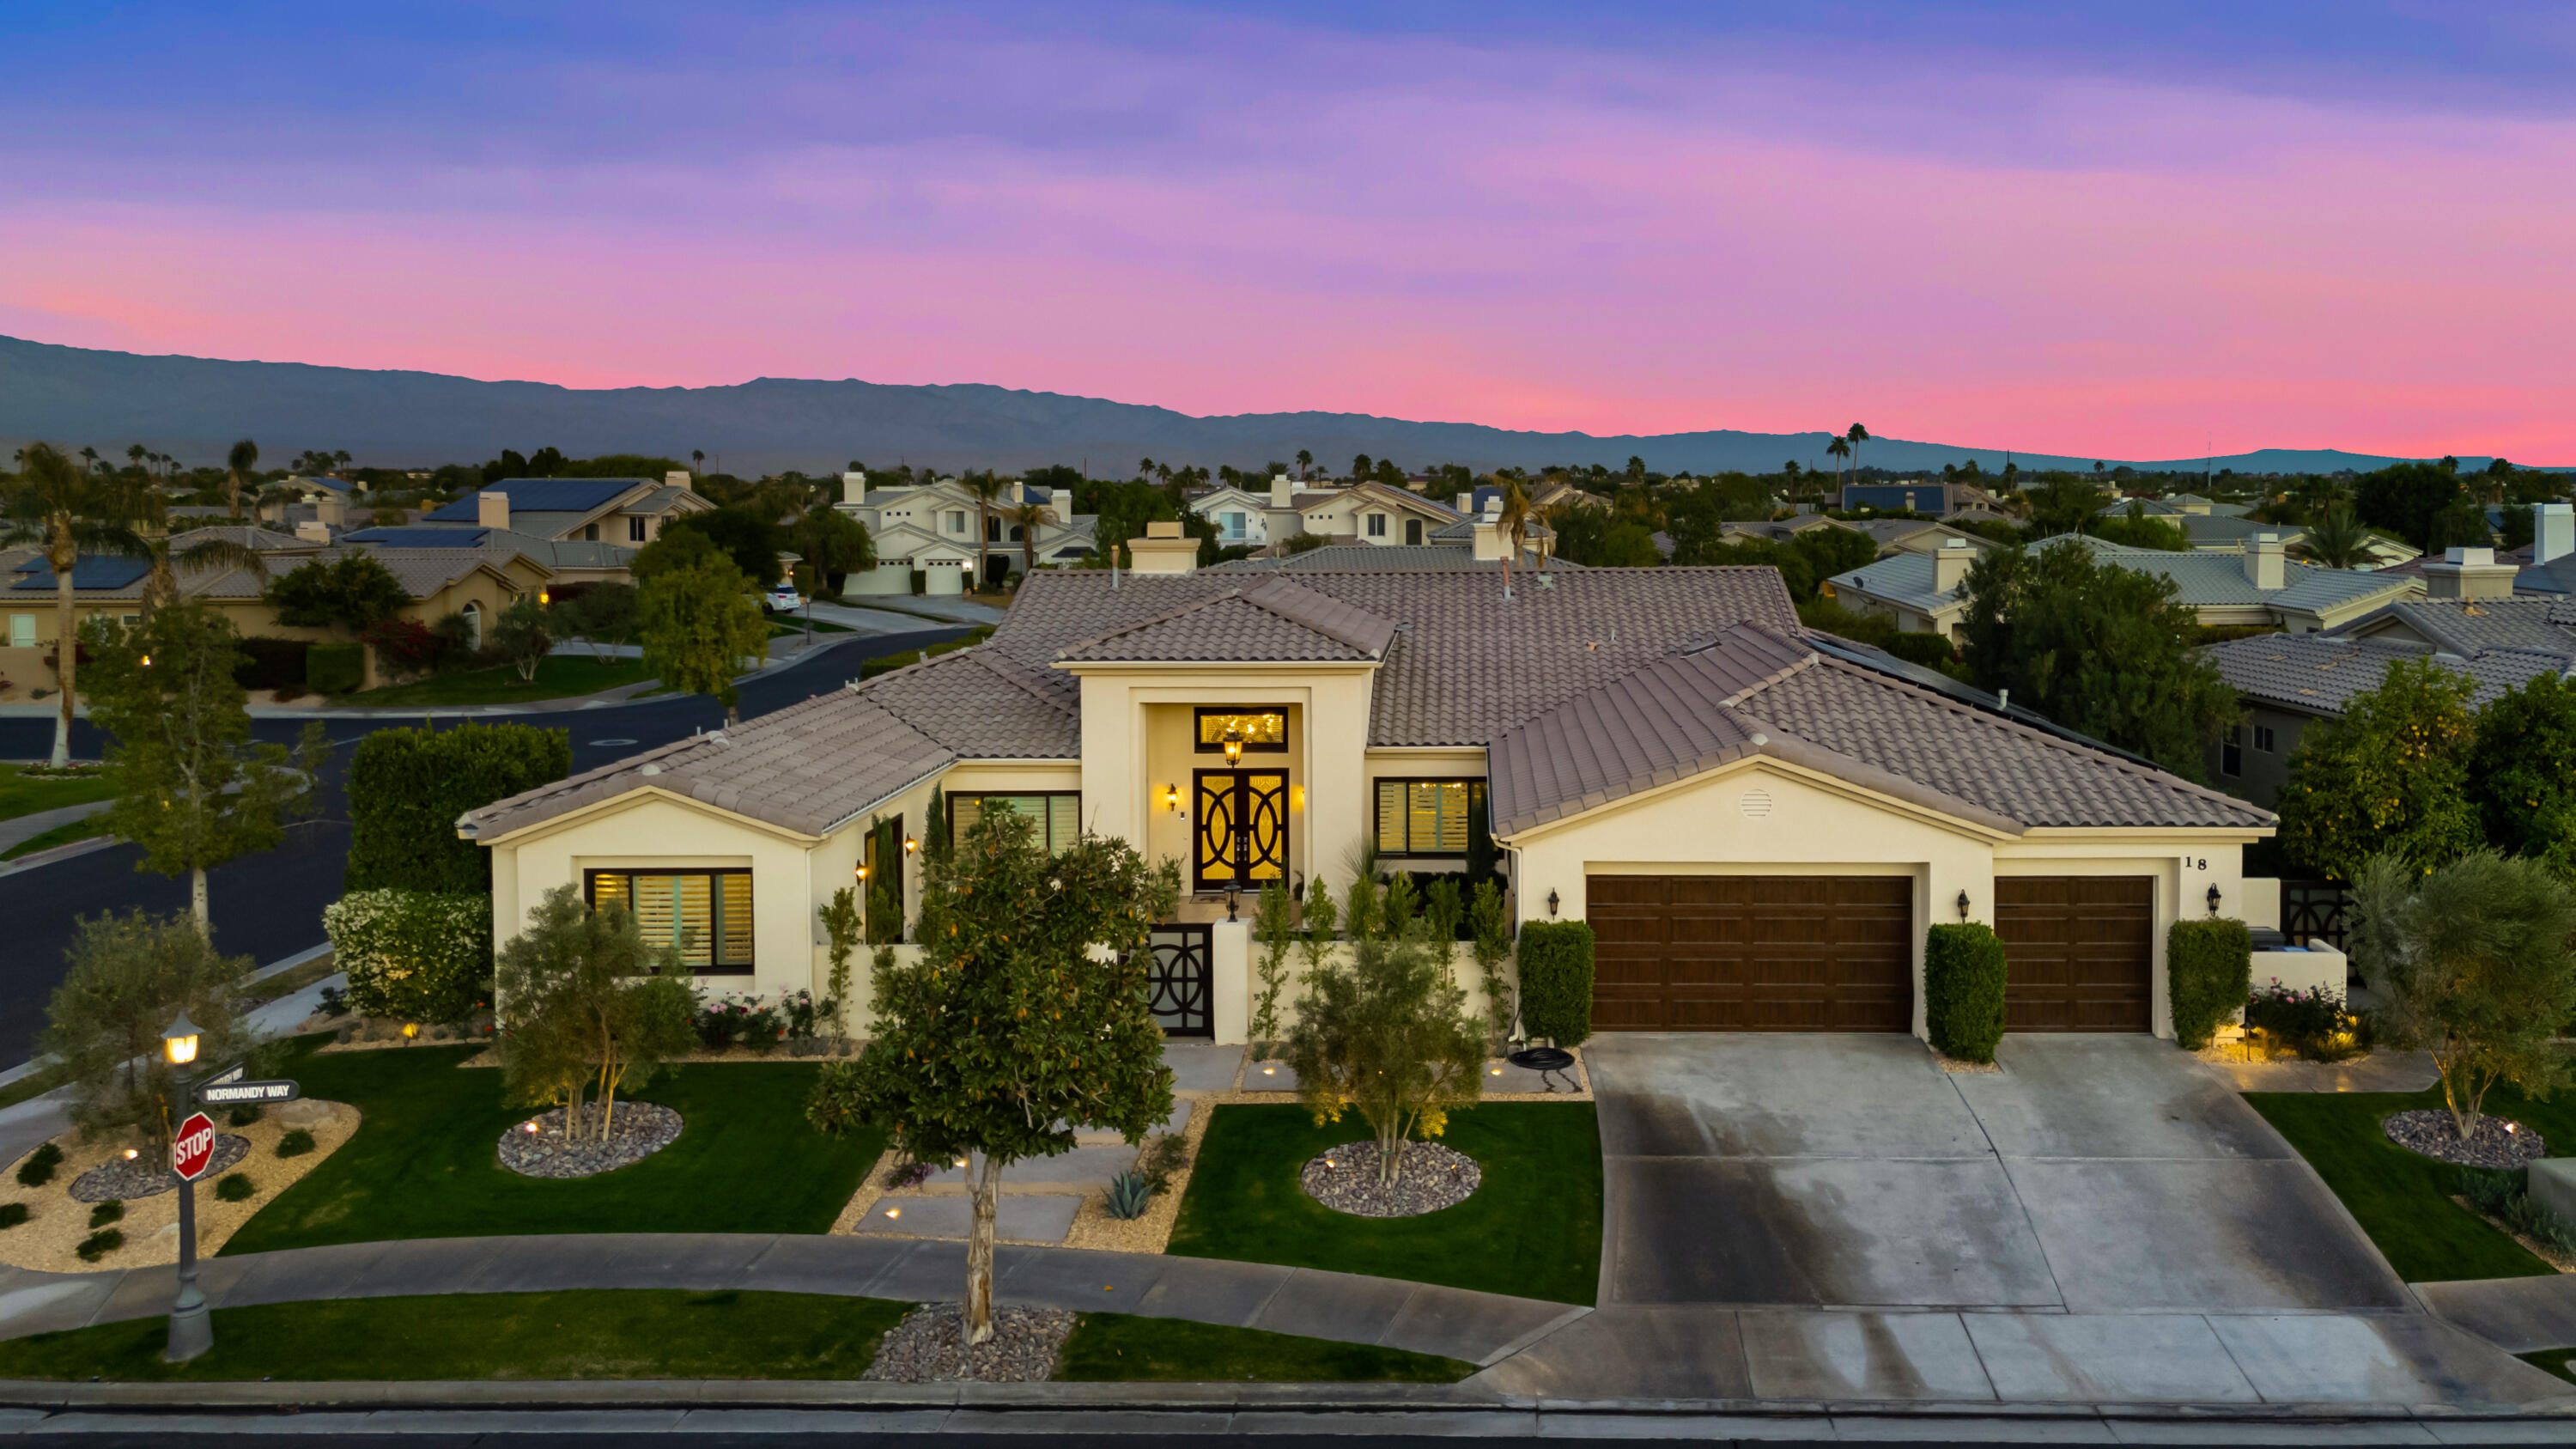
405,646
413,954
2312,1022
741,1020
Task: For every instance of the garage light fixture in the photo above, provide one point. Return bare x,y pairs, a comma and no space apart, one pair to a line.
1963,906
2213,898
1551,902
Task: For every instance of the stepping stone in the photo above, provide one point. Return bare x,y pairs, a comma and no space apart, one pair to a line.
1179,1120
1018,1219
1201,1066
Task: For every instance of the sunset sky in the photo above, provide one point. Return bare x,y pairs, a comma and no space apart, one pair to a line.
2135,233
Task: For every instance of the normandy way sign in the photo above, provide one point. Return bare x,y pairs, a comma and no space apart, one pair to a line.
236,1091
192,1151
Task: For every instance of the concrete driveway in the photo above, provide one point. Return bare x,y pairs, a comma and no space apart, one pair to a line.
2095,1174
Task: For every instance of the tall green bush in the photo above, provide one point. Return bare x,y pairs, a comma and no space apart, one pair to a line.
1556,980
335,668
2210,968
406,788
1963,990
412,954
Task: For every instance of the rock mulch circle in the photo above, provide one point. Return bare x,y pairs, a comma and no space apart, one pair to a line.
129,1178
2495,1142
636,1131
1431,1177
923,1349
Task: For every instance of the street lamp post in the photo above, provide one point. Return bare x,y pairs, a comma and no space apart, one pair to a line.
192,1330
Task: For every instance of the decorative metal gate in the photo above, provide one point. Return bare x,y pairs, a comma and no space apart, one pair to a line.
1181,987
2314,910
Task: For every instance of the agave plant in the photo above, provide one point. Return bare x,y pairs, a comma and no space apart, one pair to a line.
1128,1194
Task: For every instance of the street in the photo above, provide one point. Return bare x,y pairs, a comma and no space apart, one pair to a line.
269,906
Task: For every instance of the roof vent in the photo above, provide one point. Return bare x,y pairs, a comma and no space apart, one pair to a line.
1757,804
650,769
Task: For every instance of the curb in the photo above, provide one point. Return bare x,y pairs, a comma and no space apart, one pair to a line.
58,853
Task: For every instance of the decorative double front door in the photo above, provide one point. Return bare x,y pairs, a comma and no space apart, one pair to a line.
1243,829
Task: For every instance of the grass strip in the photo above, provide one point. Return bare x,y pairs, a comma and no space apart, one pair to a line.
1121,1348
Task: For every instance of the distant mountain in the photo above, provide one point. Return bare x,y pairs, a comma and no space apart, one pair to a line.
193,407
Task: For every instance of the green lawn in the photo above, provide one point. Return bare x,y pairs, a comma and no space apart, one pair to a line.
1118,1347
1533,1230
423,1163
59,835
2558,1362
795,624
22,794
585,1334
2404,1200
559,676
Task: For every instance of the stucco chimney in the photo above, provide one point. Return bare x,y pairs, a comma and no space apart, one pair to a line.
1283,494
1164,550
1950,565
854,487
313,530
2263,566
2553,532
1061,500
492,508
331,511
676,478
2469,573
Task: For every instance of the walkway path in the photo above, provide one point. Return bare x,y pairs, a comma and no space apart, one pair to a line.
18,829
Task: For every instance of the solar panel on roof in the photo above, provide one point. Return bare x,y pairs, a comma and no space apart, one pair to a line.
421,537
542,495
100,572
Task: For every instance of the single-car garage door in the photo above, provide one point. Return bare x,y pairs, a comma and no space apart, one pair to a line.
2080,951
1752,952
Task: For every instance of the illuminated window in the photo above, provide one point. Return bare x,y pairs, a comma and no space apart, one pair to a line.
1058,814
704,914
1265,731
1426,817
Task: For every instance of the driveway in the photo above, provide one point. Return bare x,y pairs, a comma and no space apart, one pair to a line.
2092,1175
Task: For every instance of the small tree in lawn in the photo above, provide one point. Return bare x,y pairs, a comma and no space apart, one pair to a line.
1493,936
1023,1022
130,978
602,617
192,787
1274,925
1387,1034
843,924
2472,964
525,636
701,627
584,1002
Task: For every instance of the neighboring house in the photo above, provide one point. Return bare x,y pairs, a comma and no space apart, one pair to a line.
1759,826
1779,530
1913,535
2254,585
1360,513
2225,527
628,512
2544,567
929,529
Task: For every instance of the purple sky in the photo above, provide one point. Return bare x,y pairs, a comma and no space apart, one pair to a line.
2052,228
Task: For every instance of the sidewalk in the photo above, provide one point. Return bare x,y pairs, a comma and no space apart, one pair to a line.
21,828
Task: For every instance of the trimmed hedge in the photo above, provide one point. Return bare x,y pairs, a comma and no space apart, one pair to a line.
406,788
412,954
271,663
1963,990
335,668
2210,966
1556,980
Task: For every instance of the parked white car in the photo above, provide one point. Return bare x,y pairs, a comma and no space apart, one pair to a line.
784,598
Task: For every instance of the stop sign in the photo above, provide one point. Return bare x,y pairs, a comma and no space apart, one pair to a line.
193,1150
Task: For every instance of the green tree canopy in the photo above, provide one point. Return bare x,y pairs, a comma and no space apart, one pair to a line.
2406,498
350,592
2390,777
746,535
407,787
833,544
70,511
701,627
2098,648
2137,530
586,1003
2521,772
2062,503
130,978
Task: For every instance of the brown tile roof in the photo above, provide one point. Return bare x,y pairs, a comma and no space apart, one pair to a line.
1272,620
985,705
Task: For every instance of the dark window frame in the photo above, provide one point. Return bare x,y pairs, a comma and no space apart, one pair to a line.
2231,752
1198,731
715,907
948,802
1478,794
2265,741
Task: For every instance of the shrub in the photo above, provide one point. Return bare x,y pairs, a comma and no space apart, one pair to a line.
1963,990
2506,1197
405,646
271,663
2210,965
244,1113
112,1210
412,954
101,1243
1556,980
39,1167
2312,1022
1129,1192
295,1143
1163,1159
406,788
335,668
235,1187
12,1214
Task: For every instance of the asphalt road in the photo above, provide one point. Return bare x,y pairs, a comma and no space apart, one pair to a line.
268,906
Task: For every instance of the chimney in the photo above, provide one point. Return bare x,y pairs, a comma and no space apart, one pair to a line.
2469,573
1164,550
331,511
1061,500
676,478
2263,567
1950,565
1283,494
2553,532
313,530
492,508
854,487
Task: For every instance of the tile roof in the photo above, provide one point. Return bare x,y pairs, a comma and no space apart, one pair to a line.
985,705
2202,578
1272,620
2472,626
545,495
1384,558
2320,673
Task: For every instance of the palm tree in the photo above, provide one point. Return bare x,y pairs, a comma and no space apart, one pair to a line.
1840,449
1026,519
698,459
1857,436
1512,523
1305,463
69,511
986,488
237,466
136,454
2338,541
161,586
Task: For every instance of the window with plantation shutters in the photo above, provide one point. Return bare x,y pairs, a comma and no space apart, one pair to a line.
1058,814
705,915
1426,817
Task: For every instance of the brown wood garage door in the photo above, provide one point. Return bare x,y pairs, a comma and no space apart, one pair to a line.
1752,952
2081,951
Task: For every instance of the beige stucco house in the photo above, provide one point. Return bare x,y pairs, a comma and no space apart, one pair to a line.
929,529
1759,823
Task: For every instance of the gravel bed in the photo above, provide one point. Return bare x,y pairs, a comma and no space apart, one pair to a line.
1432,1177
923,1348
637,1130
128,1178
2494,1143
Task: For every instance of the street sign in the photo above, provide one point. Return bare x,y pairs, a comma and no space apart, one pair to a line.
193,1150
235,1091
228,1074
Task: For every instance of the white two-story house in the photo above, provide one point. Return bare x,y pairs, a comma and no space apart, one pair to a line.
931,529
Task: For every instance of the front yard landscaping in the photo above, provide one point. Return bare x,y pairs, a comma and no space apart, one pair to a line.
2403,1199
423,1164
25,794
559,676
1533,1230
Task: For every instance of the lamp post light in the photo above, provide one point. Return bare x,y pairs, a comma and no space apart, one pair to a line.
192,1330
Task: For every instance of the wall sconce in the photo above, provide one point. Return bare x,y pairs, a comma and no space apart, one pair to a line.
1172,798
2213,898
1233,746
544,597
1551,901
1963,906
910,845
860,872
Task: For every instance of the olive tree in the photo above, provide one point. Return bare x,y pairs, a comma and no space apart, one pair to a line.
1023,1022
583,1001
2473,965
130,977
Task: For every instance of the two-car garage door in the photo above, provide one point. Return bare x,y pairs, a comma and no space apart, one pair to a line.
1835,953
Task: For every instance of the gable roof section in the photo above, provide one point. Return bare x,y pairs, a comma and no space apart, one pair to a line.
1273,620
2320,673
984,705
2471,626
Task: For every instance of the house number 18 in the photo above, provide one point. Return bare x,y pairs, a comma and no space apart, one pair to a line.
2190,864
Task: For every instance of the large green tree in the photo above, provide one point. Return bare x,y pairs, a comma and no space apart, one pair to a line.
701,626
130,977
350,592
1023,1022
71,512
2098,648
2522,772
2406,499
585,1004
748,535
407,787
2390,777
2062,503
192,787
833,545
